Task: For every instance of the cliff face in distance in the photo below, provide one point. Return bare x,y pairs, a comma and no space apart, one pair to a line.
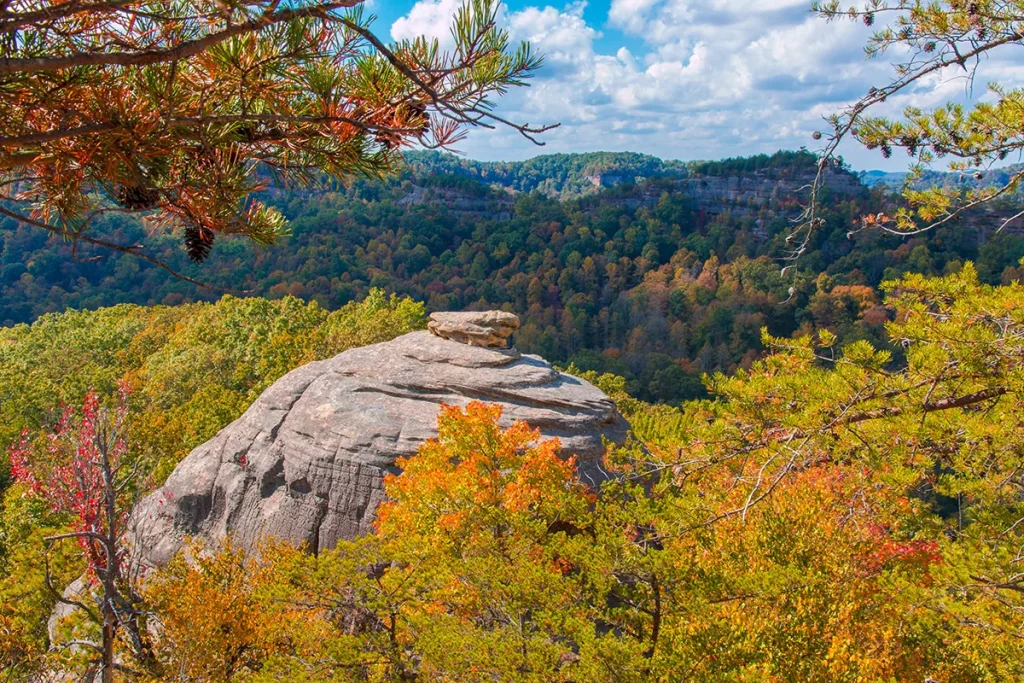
568,176
658,279
743,187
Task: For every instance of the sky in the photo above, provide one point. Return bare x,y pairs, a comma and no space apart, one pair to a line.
684,79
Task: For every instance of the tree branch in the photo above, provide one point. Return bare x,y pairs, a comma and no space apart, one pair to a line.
58,596
1007,585
944,404
132,250
153,56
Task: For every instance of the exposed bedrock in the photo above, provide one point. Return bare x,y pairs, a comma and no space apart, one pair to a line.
306,461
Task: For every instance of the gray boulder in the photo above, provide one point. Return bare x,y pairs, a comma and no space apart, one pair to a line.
486,328
305,462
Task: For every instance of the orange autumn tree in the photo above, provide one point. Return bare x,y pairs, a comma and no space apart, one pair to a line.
491,562
476,478
809,586
485,520
179,111
469,577
211,621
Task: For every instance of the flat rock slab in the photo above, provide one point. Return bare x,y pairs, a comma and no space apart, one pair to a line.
305,463
484,328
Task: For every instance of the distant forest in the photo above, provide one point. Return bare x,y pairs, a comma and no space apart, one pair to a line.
612,264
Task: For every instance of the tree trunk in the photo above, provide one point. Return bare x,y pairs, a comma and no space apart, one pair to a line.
111,572
108,642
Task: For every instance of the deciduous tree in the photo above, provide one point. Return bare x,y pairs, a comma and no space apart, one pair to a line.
87,475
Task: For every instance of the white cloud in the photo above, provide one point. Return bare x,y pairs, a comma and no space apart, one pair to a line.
630,14
563,36
430,18
688,78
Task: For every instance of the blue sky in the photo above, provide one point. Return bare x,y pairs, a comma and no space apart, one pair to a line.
684,79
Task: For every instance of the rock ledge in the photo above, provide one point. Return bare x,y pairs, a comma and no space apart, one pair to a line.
486,328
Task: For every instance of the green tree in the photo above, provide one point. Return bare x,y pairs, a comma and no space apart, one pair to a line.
929,38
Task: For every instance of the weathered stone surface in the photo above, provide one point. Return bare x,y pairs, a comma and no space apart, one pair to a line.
306,461
484,328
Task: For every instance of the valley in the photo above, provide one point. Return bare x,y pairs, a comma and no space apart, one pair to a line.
666,273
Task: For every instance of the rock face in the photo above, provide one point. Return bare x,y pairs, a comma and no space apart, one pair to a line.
305,462
755,191
487,328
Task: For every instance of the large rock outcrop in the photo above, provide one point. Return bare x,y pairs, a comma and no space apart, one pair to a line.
306,461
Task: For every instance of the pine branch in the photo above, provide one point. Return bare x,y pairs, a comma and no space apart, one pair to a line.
24,65
133,250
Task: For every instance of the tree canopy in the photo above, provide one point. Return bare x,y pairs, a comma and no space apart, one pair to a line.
830,514
950,38
179,111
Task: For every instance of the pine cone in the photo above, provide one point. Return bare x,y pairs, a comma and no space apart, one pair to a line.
198,243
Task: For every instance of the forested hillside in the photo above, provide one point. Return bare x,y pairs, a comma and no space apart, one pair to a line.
843,505
993,178
555,175
830,516
658,281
